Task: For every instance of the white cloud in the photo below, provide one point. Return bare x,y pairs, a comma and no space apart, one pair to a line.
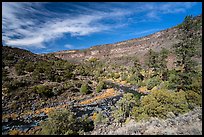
155,10
24,29
68,46
27,42
145,31
153,15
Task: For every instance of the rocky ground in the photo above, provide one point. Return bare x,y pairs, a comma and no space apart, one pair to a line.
186,124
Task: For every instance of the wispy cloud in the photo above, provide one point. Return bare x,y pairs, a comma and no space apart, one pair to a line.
27,32
34,24
68,46
158,9
145,32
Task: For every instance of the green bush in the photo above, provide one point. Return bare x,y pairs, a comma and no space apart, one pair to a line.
153,82
43,90
42,66
123,76
135,78
193,98
68,75
100,86
159,103
50,74
141,84
196,85
65,122
112,74
30,67
19,68
55,90
100,119
5,75
124,107
15,84
59,122
36,75
117,75
97,74
84,88
58,78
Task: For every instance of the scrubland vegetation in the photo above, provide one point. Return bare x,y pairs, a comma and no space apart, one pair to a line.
177,90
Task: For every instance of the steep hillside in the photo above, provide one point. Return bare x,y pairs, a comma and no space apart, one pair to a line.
125,50
11,55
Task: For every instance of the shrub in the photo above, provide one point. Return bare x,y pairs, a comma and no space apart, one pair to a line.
159,103
14,84
15,132
55,91
124,107
196,83
43,90
68,75
36,75
173,79
84,88
85,124
135,78
152,82
99,119
19,69
100,86
58,78
97,74
112,74
65,122
141,84
40,67
50,74
68,85
30,67
193,98
123,76
60,122
116,75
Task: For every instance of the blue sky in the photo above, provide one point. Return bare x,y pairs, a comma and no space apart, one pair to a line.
44,27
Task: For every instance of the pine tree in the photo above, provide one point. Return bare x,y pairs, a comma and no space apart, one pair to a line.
184,51
137,65
153,61
163,63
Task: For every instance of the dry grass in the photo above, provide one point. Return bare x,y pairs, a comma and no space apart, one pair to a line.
143,89
123,82
94,116
47,110
108,93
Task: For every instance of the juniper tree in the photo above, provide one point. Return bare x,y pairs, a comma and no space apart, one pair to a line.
124,107
184,51
153,61
163,63
137,65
